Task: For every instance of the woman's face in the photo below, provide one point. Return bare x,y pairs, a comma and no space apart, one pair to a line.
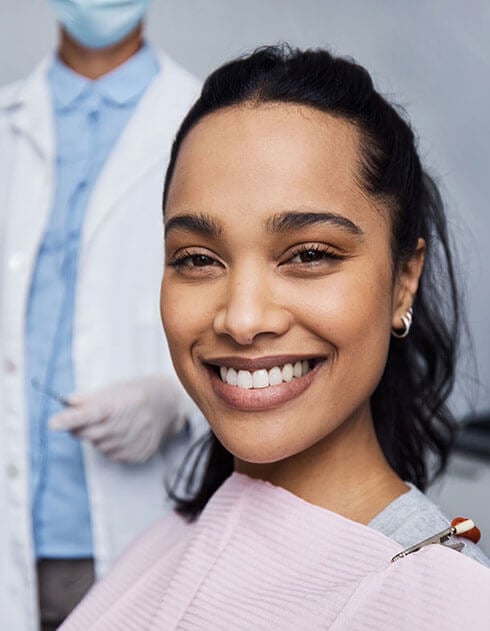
278,296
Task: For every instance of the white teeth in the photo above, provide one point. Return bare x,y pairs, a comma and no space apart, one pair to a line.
287,372
275,376
262,378
231,376
245,379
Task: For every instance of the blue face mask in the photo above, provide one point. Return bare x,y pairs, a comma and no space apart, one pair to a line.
99,23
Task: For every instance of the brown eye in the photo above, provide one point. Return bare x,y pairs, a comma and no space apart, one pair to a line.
310,256
200,260
189,262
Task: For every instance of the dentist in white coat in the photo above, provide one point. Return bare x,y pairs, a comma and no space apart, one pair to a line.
84,142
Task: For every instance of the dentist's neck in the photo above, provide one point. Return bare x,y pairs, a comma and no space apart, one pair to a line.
95,62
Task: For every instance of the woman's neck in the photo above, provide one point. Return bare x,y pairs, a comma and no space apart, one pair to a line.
346,473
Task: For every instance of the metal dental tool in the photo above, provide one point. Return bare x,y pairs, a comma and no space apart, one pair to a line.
456,528
48,392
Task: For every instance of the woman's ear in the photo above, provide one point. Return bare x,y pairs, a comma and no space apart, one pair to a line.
406,285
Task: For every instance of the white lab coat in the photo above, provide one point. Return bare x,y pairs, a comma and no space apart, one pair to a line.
117,329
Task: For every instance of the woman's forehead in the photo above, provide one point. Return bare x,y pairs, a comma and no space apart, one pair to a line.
270,141
267,159
272,152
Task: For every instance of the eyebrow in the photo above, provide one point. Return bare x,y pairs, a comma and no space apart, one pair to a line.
288,221
279,223
200,224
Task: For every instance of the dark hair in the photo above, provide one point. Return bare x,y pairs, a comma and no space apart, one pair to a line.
409,405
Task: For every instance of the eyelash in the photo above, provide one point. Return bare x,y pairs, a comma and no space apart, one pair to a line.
324,251
185,258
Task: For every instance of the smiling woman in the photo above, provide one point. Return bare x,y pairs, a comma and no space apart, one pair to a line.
297,278
305,317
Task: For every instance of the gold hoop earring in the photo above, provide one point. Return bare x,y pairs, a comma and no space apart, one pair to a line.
407,320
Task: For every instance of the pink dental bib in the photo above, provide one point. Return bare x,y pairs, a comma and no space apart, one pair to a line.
261,558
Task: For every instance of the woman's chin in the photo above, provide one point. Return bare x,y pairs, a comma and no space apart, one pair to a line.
260,453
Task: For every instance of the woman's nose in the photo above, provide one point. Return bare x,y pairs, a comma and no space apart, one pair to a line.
250,309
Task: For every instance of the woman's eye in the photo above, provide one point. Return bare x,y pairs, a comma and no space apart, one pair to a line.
190,262
199,260
309,256
314,255
193,260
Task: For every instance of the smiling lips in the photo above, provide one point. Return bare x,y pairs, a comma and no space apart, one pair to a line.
263,387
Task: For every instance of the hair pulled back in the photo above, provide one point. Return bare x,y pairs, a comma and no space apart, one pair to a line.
409,407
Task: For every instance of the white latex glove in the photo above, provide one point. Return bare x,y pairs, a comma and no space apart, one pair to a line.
127,421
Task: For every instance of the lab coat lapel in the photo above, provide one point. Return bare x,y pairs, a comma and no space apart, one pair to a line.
145,142
28,107
29,114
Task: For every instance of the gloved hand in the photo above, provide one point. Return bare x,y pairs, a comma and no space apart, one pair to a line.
127,421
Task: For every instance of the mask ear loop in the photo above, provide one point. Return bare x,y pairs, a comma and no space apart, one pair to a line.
407,320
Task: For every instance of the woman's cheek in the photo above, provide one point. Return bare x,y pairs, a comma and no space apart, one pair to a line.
350,311
186,316
333,307
175,313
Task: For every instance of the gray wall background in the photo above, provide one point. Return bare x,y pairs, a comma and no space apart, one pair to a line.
431,56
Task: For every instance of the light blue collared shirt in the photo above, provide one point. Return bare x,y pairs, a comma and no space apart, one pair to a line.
89,117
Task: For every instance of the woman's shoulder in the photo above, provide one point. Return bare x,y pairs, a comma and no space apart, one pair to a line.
155,542
434,588
413,517
153,549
